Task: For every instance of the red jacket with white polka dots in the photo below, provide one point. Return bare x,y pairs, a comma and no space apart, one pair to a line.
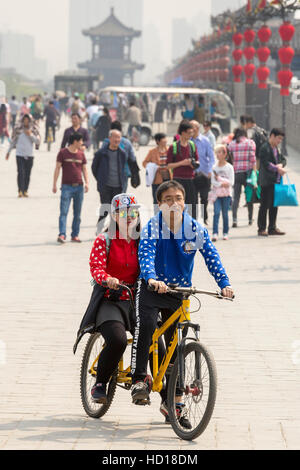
121,262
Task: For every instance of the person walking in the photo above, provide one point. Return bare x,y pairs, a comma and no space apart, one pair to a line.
257,134
52,116
272,164
156,163
73,163
76,128
108,168
134,118
3,123
244,161
102,127
25,107
14,110
202,181
37,109
183,159
209,133
25,136
125,145
221,194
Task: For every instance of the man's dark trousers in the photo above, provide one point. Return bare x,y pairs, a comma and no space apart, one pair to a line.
267,205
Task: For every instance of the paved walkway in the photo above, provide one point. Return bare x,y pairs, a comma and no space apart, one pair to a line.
44,292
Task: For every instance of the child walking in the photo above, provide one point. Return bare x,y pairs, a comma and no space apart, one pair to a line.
221,195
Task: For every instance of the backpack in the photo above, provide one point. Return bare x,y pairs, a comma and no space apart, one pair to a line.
260,137
192,149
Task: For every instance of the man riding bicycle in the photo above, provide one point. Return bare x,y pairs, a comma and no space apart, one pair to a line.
167,249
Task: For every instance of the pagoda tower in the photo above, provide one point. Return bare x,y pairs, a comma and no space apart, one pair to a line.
111,52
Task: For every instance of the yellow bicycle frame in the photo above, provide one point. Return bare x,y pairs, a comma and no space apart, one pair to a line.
181,315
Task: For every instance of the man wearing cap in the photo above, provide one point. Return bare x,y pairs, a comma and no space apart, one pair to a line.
108,168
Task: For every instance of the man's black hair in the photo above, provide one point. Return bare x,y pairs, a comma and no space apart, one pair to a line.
276,132
168,185
184,126
159,136
116,126
249,119
76,137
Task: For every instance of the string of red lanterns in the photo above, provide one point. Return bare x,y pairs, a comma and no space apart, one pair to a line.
263,53
249,53
237,54
286,55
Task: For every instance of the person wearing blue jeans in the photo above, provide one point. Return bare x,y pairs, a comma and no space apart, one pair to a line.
73,163
222,204
69,193
222,183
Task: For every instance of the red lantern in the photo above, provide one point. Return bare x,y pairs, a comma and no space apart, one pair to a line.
263,75
237,39
263,53
249,70
237,54
284,78
249,35
286,31
237,71
286,55
249,52
264,34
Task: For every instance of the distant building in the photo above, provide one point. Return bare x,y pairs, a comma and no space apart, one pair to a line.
84,15
17,51
111,52
219,6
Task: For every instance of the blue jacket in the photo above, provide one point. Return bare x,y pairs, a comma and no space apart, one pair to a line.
170,258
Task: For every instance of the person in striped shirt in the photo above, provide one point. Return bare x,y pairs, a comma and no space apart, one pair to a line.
244,160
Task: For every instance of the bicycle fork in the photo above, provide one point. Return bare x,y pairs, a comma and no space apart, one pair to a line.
181,359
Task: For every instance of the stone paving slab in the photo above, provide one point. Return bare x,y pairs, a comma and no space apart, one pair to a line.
44,292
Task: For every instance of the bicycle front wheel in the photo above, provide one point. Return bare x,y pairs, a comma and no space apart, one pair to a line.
92,350
199,394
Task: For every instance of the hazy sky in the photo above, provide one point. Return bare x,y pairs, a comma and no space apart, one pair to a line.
48,23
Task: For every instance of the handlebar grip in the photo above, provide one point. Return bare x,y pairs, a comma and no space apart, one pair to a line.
151,288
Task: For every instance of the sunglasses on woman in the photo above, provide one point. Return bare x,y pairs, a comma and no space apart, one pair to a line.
125,213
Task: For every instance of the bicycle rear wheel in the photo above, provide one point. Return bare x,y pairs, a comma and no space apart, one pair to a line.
200,389
92,350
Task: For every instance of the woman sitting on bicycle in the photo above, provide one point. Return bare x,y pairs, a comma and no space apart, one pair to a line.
120,266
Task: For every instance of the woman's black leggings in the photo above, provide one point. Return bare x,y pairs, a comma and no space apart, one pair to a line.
114,334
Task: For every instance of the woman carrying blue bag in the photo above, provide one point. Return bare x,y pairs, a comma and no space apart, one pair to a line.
272,164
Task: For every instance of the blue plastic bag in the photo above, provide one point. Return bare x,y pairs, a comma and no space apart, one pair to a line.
285,194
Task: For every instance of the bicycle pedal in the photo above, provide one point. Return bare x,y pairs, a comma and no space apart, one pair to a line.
141,402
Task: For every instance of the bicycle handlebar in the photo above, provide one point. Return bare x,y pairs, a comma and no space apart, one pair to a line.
193,291
181,290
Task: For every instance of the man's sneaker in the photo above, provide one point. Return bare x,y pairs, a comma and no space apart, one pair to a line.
140,391
25,194
234,225
61,239
215,237
76,240
225,237
99,394
20,194
181,413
